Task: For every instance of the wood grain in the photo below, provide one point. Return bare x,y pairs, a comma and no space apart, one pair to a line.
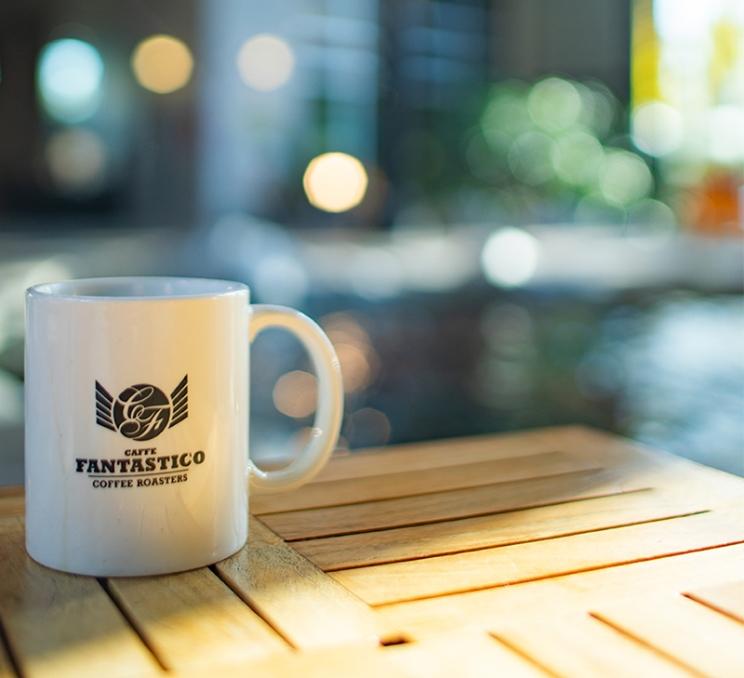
513,527
189,619
474,655
403,483
382,584
485,571
308,608
577,592
727,598
345,662
675,626
667,470
441,506
63,625
11,501
579,646
432,454
6,666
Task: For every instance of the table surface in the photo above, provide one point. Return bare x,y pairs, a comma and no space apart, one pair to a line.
561,551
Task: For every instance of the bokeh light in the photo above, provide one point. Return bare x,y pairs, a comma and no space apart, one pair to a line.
506,115
657,128
625,177
554,104
598,107
726,134
651,223
368,427
355,367
280,279
652,213
687,105
577,158
594,209
69,79
343,328
265,62
530,158
377,273
77,160
509,257
335,182
162,64
295,394
681,19
433,260
357,357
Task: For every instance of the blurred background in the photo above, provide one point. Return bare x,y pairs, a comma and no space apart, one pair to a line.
505,213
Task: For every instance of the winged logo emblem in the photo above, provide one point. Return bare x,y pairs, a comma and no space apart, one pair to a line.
142,411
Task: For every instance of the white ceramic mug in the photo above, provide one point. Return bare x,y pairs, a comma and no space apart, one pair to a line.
137,421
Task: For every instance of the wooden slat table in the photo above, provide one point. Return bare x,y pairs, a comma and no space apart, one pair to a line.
560,551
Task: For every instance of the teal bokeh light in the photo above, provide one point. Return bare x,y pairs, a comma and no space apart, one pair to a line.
69,79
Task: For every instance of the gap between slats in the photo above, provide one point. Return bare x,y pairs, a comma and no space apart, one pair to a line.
439,576
496,528
518,541
565,573
191,619
572,594
470,652
726,599
713,608
132,622
438,521
37,604
452,504
524,655
8,653
578,645
275,628
392,485
312,609
649,646
433,453
699,637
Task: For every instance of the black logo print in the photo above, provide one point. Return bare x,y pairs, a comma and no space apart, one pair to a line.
142,411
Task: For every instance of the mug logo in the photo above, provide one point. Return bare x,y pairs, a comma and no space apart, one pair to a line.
142,411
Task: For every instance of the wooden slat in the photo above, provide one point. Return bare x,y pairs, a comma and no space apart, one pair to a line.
461,654
381,584
440,506
6,666
400,484
474,654
579,646
727,598
514,527
675,626
190,619
11,501
344,662
668,470
575,592
428,520
307,607
60,624
432,454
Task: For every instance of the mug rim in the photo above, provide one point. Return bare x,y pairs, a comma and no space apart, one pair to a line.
136,288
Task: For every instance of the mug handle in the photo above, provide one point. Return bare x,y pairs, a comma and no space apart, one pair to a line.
330,398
